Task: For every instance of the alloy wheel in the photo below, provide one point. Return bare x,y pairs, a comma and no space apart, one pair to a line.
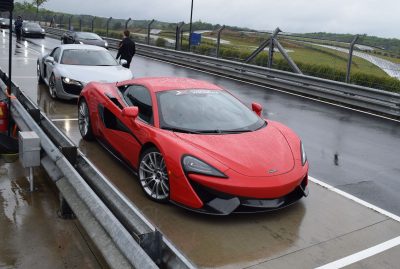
52,87
153,176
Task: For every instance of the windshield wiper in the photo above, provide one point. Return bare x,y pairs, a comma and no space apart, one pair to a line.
218,131
179,130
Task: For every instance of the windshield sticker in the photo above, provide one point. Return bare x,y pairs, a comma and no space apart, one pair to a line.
196,92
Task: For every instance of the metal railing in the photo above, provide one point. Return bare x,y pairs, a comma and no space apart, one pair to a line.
365,98
124,237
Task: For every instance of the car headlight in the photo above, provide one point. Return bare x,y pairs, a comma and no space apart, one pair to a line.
42,30
26,29
194,165
303,154
80,42
106,44
71,81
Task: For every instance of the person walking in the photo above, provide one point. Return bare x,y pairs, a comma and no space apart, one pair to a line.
18,27
126,49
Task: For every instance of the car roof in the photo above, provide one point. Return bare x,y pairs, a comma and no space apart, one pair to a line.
157,84
81,47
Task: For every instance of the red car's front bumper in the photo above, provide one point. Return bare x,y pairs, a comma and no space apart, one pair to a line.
241,194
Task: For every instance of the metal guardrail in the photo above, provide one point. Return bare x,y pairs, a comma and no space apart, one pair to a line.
122,234
370,99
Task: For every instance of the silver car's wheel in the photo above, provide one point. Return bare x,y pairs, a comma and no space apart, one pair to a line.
39,75
85,127
153,175
52,86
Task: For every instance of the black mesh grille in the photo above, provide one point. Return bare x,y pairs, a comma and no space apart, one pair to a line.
72,89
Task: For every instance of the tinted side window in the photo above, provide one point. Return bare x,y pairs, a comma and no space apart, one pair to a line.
56,54
139,96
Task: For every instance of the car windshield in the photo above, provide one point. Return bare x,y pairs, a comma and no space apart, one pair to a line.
205,111
88,57
31,25
85,35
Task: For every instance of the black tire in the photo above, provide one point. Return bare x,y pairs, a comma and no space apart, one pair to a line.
153,175
52,87
39,75
84,122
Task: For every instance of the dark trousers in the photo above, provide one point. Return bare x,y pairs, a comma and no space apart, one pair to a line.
18,33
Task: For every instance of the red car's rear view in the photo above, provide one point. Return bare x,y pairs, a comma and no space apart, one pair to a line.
196,145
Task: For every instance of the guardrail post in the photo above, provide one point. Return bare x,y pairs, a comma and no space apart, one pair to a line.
271,47
219,39
148,31
350,58
93,23
107,25
65,211
69,22
126,23
178,33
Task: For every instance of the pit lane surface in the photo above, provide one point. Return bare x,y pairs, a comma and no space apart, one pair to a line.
356,152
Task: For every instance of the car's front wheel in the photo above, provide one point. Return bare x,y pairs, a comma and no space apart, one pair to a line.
52,86
39,75
85,126
153,175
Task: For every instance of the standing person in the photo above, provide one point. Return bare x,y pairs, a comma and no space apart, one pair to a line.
18,27
126,49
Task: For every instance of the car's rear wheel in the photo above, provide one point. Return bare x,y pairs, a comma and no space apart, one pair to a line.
153,175
39,75
52,86
85,126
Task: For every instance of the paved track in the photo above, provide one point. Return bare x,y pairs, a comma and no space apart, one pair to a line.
355,152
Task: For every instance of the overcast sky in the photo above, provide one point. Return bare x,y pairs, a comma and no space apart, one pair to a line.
373,17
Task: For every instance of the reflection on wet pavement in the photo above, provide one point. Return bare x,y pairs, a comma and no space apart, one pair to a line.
32,236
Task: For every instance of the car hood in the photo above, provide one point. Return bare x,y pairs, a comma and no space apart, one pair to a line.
86,74
264,152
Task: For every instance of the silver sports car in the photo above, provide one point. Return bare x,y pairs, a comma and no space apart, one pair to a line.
68,68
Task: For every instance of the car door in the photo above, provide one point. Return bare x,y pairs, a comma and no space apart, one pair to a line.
49,66
124,136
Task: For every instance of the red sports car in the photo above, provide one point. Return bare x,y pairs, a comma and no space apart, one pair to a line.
194,144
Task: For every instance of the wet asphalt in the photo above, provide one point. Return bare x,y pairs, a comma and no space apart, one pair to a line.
353,151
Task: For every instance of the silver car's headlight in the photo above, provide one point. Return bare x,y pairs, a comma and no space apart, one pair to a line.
71,81
303,154
26,29
194,165
80,42
42,30
106,44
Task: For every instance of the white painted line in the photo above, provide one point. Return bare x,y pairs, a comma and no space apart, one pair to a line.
364,254
274,89
57,120
355,199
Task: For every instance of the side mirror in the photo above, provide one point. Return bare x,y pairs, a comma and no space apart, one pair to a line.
123,62
131,112
257,108
49,60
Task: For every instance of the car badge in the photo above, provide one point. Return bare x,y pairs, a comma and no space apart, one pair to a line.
271,171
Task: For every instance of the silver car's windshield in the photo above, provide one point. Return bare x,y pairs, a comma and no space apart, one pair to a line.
88,57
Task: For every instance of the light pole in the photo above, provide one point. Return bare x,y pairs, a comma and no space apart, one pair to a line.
190,26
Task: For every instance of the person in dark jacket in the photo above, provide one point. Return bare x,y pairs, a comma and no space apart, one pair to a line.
18,27
126,49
